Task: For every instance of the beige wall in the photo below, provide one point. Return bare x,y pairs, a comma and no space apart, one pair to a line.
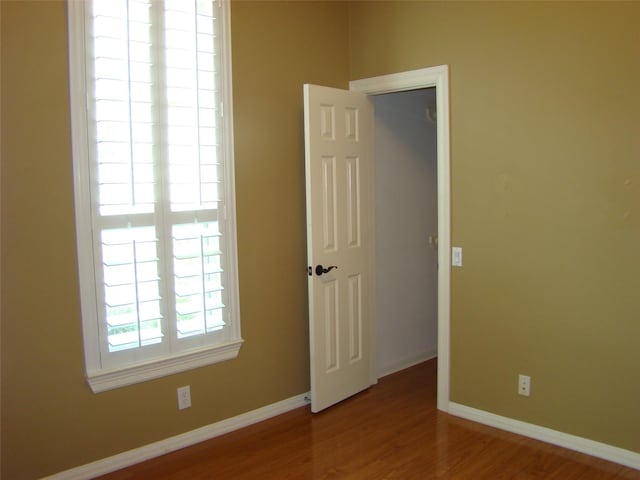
50,420
545,196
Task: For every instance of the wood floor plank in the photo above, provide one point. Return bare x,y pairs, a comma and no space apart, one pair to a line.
391,431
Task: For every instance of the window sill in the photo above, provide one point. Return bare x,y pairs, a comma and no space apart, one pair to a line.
102,381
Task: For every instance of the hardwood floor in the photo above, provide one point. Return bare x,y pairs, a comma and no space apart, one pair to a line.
391,431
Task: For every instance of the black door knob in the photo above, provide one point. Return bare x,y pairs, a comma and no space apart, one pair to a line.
320,269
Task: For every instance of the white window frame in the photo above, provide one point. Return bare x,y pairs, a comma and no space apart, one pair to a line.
98,377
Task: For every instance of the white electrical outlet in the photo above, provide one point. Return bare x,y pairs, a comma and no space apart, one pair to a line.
184,397
524,385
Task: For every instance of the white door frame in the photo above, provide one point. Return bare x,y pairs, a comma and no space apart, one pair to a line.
437,77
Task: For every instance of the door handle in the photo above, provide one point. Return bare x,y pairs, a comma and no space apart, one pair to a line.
320,269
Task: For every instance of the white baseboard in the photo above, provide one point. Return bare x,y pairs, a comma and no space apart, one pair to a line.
407,362
131,457
572,442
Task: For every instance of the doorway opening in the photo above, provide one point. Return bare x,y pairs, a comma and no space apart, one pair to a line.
406,228
437,77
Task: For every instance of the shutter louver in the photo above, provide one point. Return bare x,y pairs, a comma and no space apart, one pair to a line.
192,105
132,297
198,275
122,66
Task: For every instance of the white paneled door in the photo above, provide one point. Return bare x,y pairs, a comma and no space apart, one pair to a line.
339,162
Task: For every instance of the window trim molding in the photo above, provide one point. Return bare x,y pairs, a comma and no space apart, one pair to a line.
98,378
104,380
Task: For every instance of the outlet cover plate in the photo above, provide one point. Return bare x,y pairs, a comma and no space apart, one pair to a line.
184,397
524,385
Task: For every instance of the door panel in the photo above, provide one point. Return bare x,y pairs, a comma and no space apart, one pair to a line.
338,165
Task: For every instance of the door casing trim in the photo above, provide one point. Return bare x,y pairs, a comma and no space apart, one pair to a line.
437,77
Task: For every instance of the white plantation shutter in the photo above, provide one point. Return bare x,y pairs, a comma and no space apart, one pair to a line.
151,141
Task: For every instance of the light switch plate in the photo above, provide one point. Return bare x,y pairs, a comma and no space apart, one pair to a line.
456,256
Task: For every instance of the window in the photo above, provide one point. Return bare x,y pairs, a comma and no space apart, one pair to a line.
154,191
